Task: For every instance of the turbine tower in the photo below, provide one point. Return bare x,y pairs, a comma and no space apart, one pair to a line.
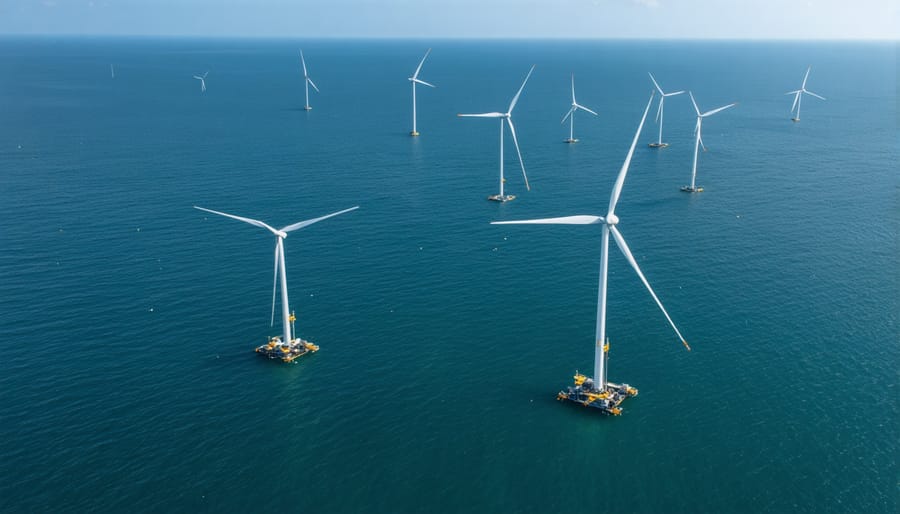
798,95
307,81
659,112
694,188
597,391
506,117
288,347
571,114
415,80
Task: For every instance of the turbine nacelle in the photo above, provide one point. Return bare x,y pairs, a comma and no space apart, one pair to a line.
612,220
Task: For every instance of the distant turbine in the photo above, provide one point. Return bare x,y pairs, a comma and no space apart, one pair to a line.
112,72
307,81
414,80
571,114
659,111
799,93
202,81
288,342
597,391
693,188
506,117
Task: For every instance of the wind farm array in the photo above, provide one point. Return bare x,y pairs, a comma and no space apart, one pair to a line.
595,391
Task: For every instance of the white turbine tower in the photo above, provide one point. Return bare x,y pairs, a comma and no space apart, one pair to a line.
571,114
202,80
506,117
596,391
799,93
289,346
307,81
415,80
694,188
659,112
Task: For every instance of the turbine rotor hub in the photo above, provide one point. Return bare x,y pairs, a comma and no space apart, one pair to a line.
612,219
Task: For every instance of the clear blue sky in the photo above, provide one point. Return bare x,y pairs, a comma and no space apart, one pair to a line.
741,19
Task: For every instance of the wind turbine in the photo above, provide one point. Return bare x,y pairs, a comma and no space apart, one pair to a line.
799,93
507,118
112,72
307,81
415,79
202,81
659,111
597,391
288,347
694,188
571,114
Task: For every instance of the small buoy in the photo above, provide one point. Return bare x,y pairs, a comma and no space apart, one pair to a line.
151,309
139,229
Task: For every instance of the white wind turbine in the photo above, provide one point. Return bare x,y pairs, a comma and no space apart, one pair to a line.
694,188
202,80
571,114
415,80
288,339
597,392
659,112
307,81
799,93
507,118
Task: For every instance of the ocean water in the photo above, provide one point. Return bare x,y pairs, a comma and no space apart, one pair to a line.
128,319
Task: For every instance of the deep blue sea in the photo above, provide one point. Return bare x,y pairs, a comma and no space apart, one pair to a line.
128,381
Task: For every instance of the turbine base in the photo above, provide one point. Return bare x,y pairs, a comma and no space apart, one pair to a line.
276,349
307,108
607,401
571,140
658,145
501,198
413,133
689,189
795,120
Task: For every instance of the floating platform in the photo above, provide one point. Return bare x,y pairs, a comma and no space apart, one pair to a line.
795,119
276,349
689,189
570,140
307,108
502,198
413,133
607,401
658,145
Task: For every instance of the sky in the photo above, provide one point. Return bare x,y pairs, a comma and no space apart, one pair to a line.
665,19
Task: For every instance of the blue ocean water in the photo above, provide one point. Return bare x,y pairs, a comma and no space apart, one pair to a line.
128,319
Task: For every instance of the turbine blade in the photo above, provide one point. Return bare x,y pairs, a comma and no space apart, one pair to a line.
573,88
205,74
581,219
583,108
659,109
656,84
483,115
710,113
675,93
512,130
198,77
796,99
794,92
303,62
567,115
815,95
620,180
419,68
623,246
694,102
274,287
253,222
805,77
313,84
515,99
301,224
424,83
